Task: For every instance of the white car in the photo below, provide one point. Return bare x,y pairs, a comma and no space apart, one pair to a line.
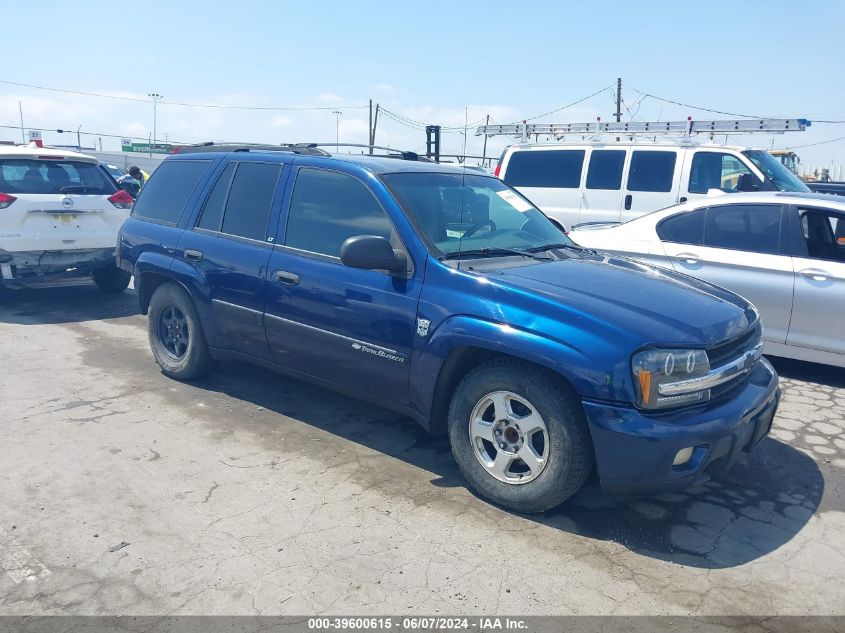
59,218
597,181
785,252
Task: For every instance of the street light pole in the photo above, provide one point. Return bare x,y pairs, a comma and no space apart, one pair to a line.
155,97
337,114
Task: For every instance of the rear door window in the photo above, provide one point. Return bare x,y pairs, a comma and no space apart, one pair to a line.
683,228
652,171
744,227
559,169
164,197
52,176
605,171
250,200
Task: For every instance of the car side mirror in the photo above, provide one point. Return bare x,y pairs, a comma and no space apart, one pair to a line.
747,182
372,252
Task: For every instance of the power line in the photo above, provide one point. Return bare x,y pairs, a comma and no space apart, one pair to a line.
174,103
830,140
568,105
687,105
121,136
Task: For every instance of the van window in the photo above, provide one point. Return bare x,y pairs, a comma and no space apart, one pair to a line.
683,228
746,227
327,208
251,200
164,197
212,211
605,171
716,170
652,171
559,169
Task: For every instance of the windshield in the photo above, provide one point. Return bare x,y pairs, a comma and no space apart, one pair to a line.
459,213
53,176
773,169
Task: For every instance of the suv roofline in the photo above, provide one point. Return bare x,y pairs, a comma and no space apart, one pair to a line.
27,151
309,149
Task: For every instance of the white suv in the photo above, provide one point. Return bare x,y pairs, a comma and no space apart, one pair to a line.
616,182
59,218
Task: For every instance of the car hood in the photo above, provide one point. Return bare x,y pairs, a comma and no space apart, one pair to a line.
655,305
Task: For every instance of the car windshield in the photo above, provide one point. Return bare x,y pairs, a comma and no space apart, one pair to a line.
462,212
773,169
53,176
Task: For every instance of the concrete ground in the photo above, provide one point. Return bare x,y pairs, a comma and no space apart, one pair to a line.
124,492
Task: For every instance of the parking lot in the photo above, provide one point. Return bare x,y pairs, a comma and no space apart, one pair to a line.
125,492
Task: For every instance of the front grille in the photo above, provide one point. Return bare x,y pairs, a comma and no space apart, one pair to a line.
730,350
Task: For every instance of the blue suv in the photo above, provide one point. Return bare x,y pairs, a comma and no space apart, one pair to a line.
447,296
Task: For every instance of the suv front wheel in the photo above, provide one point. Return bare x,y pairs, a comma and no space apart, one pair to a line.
519,436
175,334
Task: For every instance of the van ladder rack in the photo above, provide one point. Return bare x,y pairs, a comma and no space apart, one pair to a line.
672,128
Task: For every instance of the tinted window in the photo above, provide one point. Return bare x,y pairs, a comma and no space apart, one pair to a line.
53,176
746,227
713,170
684,228
605,171
250,200
164,197
327,208
824,235
652,171
546,168
212,210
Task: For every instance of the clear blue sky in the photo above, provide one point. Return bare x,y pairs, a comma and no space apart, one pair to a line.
428,61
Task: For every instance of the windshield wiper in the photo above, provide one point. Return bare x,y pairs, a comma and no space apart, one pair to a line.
551,247
493,252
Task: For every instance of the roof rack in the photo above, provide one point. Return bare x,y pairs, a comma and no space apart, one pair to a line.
312,149
664,128
213,146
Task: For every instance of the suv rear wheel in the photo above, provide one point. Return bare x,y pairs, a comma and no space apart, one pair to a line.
176,337
111,279
519,436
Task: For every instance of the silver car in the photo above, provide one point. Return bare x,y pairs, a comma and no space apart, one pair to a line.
785,252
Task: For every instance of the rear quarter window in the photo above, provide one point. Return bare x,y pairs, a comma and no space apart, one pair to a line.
556,169
164,197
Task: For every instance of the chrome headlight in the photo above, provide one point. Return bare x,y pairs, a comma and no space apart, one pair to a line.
661,372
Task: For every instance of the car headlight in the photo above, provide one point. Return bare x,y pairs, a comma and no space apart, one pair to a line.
669,369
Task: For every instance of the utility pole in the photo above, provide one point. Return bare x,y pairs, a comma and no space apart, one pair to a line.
78,139
618,113
371,127
484,153
20,110
155,97
337,114
375,125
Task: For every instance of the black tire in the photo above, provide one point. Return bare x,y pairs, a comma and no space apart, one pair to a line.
188,359
569,456
111,279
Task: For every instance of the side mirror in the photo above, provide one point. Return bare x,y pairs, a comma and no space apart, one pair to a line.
372,252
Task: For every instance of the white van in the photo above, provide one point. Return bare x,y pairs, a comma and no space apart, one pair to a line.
618,181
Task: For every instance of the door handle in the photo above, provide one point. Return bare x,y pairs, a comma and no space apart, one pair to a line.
688,258
814,274
193,256
628,200
284,277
